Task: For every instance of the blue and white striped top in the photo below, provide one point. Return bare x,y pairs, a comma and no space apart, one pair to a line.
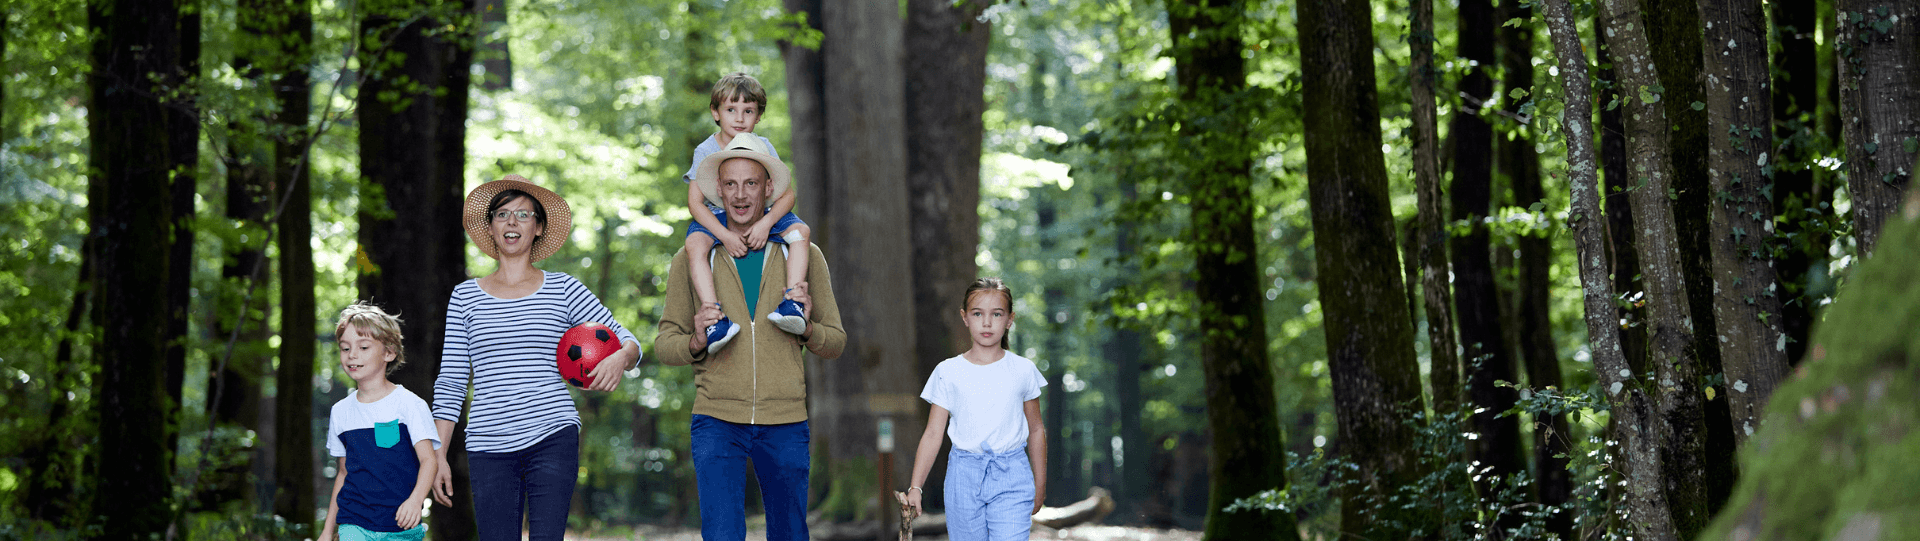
504,349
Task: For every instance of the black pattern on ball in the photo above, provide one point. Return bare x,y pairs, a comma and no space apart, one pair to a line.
602,335
573,352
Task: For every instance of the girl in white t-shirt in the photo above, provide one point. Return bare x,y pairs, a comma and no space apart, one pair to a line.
988,401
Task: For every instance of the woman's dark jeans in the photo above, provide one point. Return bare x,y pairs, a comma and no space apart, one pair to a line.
538,480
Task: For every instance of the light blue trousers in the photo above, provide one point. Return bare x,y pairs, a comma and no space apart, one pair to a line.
989,495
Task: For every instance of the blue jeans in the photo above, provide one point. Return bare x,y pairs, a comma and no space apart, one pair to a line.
989,495
780,460
773,233
538,480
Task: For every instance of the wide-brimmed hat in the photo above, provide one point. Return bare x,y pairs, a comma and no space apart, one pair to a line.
475,219
744,145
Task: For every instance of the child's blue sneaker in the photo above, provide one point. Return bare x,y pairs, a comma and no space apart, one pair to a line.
719,333
791,316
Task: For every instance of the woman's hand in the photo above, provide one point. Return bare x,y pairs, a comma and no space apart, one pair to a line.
607,374
442,482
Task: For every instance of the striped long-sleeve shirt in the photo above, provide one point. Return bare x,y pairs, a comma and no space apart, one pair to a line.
504,350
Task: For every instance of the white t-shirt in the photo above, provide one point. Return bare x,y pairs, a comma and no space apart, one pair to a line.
986,402
415,419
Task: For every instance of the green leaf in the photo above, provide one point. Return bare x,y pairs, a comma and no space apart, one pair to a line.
1697,106
1871,148
1514,22
1650,94
1517,93
1911,145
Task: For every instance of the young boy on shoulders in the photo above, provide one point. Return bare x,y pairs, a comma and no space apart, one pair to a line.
382,435
736,104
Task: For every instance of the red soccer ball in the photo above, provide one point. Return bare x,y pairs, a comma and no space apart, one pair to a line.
581,349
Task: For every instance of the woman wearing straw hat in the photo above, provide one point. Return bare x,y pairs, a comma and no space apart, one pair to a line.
523,433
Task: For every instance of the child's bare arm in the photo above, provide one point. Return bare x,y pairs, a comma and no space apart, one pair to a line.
696,202
333,502
409,514
757,237
1037,452
924,455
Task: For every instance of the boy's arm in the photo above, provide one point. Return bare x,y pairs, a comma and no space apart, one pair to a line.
924,455
333,502
697,202
408,515
1037,452
782,205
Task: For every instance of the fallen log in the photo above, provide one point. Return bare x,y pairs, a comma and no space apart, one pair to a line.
1098,503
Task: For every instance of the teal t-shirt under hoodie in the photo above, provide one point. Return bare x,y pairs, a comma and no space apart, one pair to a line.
750,267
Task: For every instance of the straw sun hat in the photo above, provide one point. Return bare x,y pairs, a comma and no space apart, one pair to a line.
475,219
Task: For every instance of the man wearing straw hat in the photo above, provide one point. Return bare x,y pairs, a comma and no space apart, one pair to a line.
751,398
523,433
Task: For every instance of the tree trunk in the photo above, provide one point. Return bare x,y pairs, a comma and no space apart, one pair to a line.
1243,416
293,409
865,119
1746,302
1551,439
1795,193
496,57
1483,343
1639,457
946,63
184,131
414,250
1369,338
1675,380
1623,250
50,469
1880,105
1435,278
131,205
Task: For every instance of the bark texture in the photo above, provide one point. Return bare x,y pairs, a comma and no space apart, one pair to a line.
1248,451
1623,250
131,206
1640,459
1880,107
1680,432
294,452
1369,335
1436,285
1746,299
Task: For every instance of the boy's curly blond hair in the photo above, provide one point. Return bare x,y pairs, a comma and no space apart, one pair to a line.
381,325
738,85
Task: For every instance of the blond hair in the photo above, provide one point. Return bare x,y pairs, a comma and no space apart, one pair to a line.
737,86
377,323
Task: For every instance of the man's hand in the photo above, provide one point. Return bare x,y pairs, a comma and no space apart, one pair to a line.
757,235
442,482
735,246
706,317
799,294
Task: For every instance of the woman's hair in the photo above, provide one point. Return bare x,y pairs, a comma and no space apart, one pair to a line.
379,325
507,196
987,286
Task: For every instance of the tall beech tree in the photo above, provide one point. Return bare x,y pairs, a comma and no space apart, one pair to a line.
1429,229
1482,339
1520,163
1243,417
1623,249
136,65
1634,407
292,22
1680,432
1880,107
1746,295
1369,335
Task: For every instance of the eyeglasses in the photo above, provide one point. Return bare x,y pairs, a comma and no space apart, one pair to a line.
522,215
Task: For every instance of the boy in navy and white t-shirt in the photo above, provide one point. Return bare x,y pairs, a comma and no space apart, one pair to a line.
382,435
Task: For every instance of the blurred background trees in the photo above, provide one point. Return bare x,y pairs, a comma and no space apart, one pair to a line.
1207,211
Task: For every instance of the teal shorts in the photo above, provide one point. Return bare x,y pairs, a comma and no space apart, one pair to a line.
349,532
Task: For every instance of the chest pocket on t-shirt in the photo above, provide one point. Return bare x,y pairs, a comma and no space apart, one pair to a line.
386,434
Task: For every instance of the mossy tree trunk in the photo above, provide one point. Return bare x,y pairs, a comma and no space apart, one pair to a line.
131,204
1680,432
1521,165
1369,335
1880,107
1430,233
1243,416
1640,458
1623,250
1746,294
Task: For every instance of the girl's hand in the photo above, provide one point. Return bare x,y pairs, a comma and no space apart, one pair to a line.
1039,499
409,514
732,242
913,502
757,235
